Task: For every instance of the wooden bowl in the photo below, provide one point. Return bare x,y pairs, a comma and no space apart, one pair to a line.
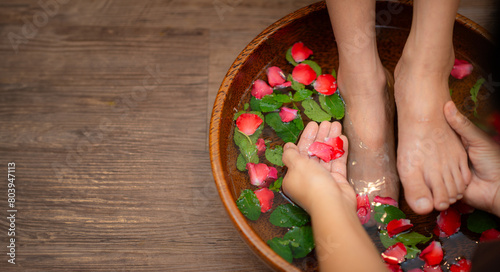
311,25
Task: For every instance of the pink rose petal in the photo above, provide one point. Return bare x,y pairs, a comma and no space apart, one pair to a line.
363,208
394,254
300,52
275,76
261,146
304,74
287,114
265,197
261,174
325,84
461,69
386,200
248,123
261,89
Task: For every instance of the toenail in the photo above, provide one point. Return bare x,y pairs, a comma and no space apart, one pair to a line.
460,196
422,203
443,206
452,200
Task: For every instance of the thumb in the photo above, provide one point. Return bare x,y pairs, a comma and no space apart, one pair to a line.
462,125
290,154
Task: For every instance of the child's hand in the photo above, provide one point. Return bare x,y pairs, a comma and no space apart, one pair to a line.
484,190
308,179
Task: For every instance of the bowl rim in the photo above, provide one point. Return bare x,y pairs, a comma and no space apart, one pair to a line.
251,238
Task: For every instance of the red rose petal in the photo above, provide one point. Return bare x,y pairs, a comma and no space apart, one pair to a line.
432,268
490,235
397,226
325,84
338,146
394,254
448,221
261,89
461,69
261,146
432,254
261,174
363,208
394,267
300,52
304,74
265,197
248,123
463,265
287,114
275,76
386,200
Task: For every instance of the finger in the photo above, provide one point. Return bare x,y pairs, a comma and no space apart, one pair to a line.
290,154
307,138
323,131
463,126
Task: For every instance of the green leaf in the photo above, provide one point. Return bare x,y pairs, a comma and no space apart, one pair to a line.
412,238
282,98
268,103
273,155
248,204
249,151
245,107
480,221
289,215
302,95
314,66
411,252
299,123
474,91
281,247
241,163
301,241
276,186
334,74
289,57
386,213
255,103
314,112
288,132
386,241
333,105
451,92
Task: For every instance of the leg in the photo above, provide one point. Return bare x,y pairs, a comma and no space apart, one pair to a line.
432,162
368,123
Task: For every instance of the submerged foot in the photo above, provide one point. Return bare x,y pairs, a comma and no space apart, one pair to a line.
369,126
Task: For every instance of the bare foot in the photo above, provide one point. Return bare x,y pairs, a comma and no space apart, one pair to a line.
369,126
432,161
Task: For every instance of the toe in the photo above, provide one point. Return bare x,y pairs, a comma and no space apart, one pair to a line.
464,169
417,193
459,182
451,187
439,191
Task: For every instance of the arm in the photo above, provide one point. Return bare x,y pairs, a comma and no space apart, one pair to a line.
322,190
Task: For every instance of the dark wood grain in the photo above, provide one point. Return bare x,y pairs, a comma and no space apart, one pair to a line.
112,166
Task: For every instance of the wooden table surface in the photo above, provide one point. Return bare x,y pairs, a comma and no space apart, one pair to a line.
104,109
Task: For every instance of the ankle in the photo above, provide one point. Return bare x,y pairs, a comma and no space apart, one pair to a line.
361,85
